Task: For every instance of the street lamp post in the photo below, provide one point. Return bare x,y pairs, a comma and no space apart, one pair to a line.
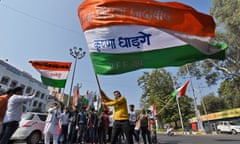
77,53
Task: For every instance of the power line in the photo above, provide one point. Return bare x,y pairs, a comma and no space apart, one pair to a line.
39,19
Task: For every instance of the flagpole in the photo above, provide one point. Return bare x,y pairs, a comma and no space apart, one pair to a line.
180,115
97,81
195,103
99,87
209,128
62,91
179,110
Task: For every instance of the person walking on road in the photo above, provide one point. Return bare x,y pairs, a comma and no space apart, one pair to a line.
133,119
92,126
64,120
73,122
144,123
51,126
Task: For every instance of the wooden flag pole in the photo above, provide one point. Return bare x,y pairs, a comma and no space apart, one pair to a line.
102,106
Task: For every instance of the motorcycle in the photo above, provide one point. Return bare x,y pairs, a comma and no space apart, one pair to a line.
170,132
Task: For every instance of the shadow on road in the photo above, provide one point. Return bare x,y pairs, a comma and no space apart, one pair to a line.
228,140
168,142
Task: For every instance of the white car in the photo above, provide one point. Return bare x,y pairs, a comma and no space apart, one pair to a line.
229,127
30,128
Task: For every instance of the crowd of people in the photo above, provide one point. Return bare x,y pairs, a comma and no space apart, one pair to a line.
83,125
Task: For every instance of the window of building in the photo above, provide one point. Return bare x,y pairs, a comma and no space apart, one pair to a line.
28,90
5,80
2,91
37,94
42,96
23,86
35,103
40,105
13,83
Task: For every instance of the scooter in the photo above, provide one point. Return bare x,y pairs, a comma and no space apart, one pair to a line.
170,132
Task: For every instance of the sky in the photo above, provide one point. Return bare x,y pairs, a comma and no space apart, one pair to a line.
47,29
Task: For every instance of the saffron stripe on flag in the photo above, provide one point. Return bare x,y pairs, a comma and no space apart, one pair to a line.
168,15
51,65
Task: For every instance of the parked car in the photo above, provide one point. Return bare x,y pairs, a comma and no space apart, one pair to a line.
228,127
30,128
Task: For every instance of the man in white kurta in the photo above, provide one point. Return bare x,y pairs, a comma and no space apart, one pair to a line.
51,126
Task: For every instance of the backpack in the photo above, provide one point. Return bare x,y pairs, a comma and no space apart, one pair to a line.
82,118
144,121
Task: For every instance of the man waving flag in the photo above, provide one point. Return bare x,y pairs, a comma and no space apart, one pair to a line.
127,35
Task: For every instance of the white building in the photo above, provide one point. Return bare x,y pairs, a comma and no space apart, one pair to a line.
10,76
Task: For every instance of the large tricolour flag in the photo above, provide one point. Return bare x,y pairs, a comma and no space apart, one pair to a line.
126,35
52,73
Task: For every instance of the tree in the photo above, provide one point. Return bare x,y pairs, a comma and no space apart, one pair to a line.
212,104
157,87
187,108
229,92
226,15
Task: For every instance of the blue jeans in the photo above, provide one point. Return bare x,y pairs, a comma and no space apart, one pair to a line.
7,131
91,134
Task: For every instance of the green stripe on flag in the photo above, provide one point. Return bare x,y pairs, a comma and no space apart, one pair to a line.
174,95
105,63
53,83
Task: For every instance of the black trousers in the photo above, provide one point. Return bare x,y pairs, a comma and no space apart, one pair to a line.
62,138
134,133
120,126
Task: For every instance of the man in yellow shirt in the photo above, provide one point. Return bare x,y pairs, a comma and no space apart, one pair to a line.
120,116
